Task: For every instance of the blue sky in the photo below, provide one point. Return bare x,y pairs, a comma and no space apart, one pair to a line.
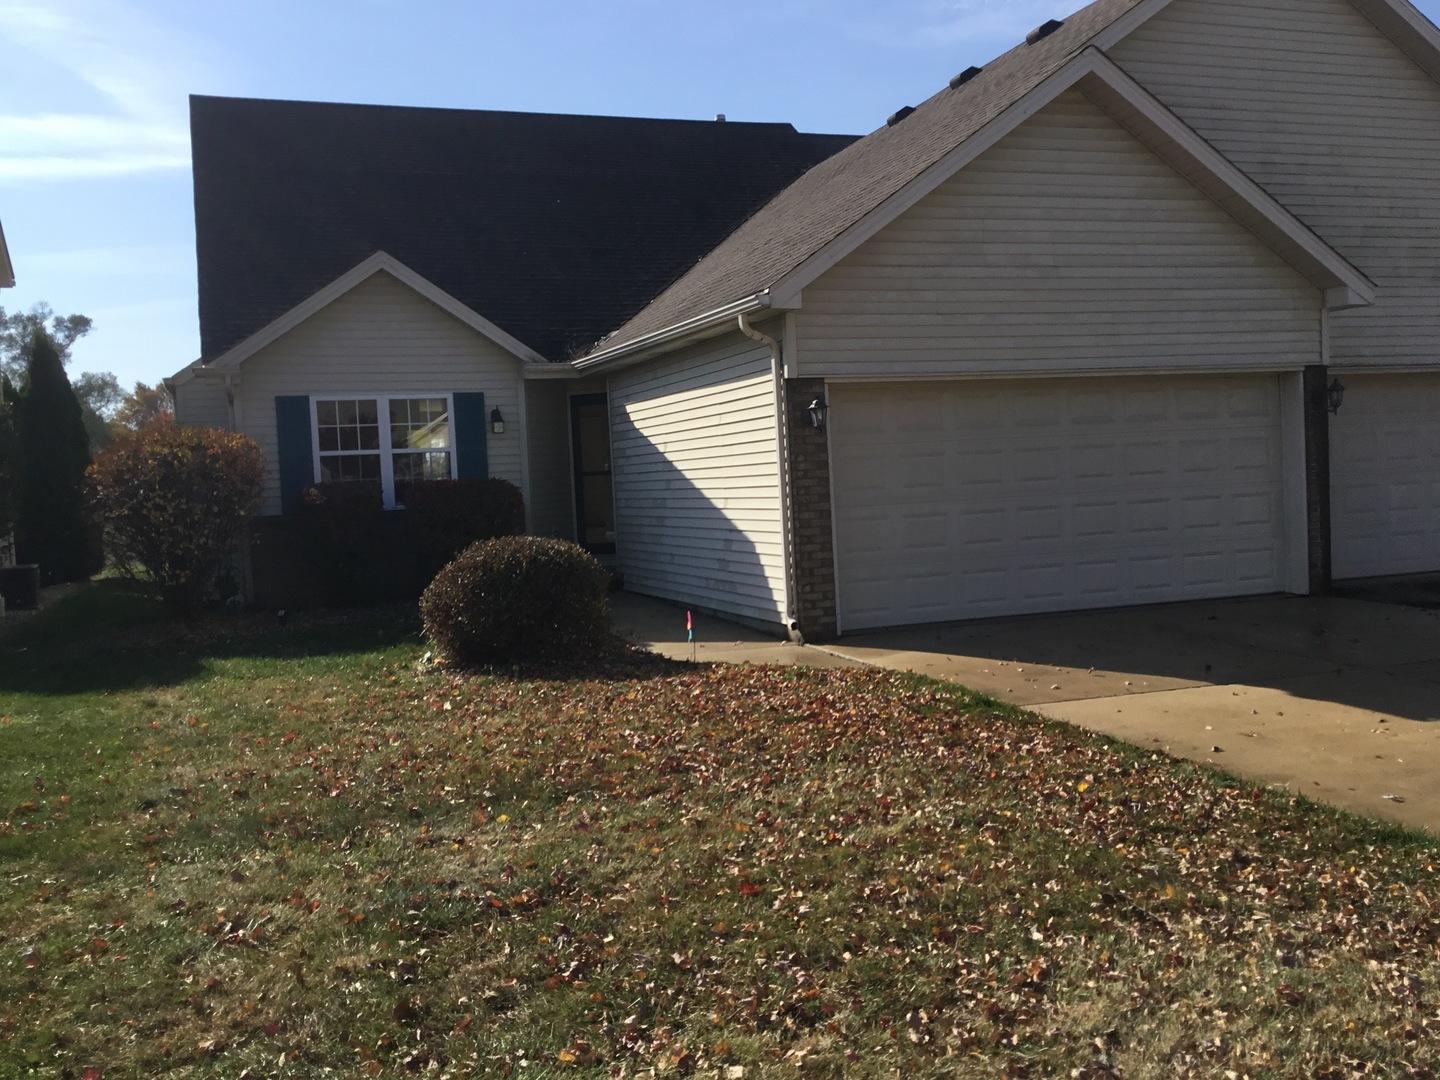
94,157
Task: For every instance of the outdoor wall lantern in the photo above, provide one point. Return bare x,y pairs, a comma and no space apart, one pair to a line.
1335,395
497,422
817,411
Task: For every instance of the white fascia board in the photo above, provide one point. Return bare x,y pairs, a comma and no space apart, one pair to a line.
380,262
1399,20
7,268
1414,34
1128,23
188,374
789,287
548,370
1318,262
1220,178
647,345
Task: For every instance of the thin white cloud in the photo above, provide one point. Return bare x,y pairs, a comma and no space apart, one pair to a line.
137,66
138,260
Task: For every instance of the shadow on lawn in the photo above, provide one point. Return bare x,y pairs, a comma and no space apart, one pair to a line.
113,636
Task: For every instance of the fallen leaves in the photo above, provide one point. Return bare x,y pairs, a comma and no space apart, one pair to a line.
732,872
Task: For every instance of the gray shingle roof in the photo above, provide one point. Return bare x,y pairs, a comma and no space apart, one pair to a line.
838,192
555,228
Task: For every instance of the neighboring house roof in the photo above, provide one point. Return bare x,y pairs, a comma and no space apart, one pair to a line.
7,270
813,223
556,229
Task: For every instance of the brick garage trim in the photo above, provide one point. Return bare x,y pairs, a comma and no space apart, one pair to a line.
1317,477
813,537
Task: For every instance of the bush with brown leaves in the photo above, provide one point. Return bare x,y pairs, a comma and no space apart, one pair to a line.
172,501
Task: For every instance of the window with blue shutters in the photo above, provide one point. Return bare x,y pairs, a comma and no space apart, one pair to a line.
396,439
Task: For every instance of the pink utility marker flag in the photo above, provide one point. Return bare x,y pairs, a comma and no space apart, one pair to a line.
689,627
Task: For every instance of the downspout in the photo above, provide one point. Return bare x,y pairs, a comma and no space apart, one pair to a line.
782,450
230,401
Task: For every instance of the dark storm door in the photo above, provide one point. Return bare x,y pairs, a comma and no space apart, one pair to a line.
594,496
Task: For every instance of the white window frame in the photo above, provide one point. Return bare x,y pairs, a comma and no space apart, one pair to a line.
387,453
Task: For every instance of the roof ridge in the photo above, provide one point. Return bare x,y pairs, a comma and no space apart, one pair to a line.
779,125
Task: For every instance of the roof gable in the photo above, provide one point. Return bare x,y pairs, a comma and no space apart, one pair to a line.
559,228
844,201
378,263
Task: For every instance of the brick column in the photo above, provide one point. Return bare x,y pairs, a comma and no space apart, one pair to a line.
1317,475
814,554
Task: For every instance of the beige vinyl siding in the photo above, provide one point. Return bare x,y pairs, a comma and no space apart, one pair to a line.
1067,247
697,490
201,402
381,337
1326,113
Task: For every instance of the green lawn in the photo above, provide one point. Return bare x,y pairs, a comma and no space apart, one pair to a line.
236,850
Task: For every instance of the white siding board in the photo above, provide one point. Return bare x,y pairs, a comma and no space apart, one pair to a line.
381,337
697,496
1330,117
1069,246
201,402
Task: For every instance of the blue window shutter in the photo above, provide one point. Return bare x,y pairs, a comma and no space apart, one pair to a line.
469,428
296,457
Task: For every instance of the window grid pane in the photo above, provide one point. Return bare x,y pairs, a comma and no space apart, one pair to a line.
419,424
335,468
348,425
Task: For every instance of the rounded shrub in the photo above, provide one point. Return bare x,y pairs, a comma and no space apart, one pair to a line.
516,599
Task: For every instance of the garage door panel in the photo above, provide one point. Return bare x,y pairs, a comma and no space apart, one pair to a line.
1385,476
1102,507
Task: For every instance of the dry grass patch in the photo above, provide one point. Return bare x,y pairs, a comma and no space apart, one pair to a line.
317,856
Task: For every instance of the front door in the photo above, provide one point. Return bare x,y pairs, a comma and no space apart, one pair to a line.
594,502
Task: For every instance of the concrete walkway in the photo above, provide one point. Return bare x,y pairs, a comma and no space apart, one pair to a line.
1336,698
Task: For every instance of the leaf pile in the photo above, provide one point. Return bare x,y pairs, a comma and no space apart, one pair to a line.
389,870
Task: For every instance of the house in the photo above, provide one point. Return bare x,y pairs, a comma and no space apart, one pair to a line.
7,269
1146,309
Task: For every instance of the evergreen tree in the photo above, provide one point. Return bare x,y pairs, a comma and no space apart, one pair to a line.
8,453
51,526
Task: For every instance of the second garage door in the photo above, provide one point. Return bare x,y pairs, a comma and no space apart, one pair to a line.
1385,475
971,499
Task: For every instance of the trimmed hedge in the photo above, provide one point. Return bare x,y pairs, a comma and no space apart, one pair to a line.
339,526
359,552
516,599
447,516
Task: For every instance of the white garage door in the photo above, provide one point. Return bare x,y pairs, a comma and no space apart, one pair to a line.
1385,476
969,499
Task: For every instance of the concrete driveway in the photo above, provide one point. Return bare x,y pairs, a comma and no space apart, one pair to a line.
1336,698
